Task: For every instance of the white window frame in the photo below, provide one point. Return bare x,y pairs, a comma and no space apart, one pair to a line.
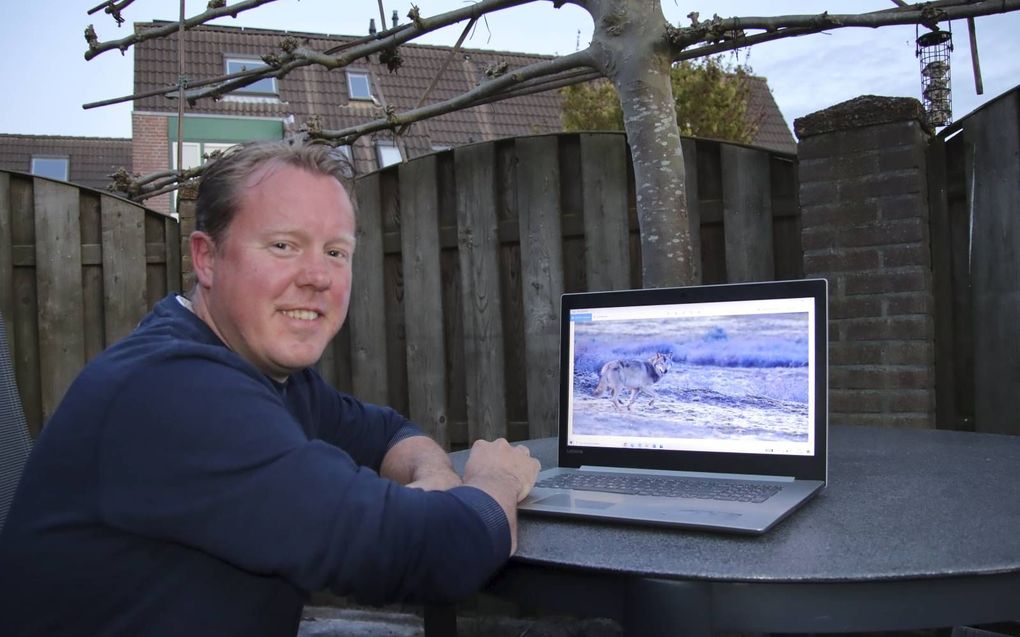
365,95
247,64
194,155
66,161
344,151
195,152
387,154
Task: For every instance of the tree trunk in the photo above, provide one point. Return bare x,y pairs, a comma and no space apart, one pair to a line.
630,47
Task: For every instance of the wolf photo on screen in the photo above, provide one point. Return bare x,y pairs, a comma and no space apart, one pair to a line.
728,377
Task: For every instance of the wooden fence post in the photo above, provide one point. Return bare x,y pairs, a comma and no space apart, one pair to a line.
478,244
538,200
423,303
58,275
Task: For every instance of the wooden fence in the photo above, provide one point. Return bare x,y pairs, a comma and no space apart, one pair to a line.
975,226
461,259
78,269
462,256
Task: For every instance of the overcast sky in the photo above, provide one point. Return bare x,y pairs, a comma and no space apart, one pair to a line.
47,79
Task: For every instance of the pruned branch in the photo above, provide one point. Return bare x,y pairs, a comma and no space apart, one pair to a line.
471,98
385,40
714,32
700,39
112,7
96,47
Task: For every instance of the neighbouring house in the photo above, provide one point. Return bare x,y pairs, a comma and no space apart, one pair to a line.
272,108
360,93
86,161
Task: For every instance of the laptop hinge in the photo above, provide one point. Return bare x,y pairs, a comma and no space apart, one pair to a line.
687,474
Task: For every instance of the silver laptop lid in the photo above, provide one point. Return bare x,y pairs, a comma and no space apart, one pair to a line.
717,378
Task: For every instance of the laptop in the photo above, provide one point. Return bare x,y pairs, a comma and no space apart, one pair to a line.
701,407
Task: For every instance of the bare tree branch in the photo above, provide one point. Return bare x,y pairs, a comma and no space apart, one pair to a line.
110,6
299,56
464,100
732,29
170,92
96,48
446,63
113,8
701,39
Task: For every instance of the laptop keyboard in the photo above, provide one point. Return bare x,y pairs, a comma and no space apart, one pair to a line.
668,486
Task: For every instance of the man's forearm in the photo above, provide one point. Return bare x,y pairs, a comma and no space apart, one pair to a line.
419,461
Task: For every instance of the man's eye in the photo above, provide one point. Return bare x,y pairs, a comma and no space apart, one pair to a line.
341,254
280,245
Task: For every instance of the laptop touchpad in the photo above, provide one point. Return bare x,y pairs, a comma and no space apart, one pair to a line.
567,500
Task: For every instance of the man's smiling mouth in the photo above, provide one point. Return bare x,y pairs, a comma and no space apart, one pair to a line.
302,315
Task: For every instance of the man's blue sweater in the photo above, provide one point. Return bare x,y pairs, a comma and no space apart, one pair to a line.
179,491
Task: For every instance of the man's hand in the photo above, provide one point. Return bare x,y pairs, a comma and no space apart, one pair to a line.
506,473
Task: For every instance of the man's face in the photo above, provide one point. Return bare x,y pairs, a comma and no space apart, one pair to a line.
279,282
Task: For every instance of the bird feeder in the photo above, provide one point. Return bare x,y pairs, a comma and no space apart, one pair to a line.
933,49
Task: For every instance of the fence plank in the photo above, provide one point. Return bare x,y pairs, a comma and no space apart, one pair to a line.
59,277
26,315
7,262
419,233
123,238
689,148
368,298
538,199
994,187
604,187
942,259
478,238
172,238
747,214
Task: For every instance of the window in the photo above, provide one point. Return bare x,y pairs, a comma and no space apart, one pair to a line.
341,152
53,167
358,86
388,154
194,153
264,86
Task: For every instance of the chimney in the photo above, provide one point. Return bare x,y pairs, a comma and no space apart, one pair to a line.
394,18
371,26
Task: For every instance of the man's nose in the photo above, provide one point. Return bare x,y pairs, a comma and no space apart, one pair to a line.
314,273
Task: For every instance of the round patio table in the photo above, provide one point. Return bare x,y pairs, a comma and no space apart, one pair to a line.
915,529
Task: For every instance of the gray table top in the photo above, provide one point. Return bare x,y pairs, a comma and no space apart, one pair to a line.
900,504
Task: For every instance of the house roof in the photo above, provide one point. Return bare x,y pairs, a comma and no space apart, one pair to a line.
91,159
773,131
314,91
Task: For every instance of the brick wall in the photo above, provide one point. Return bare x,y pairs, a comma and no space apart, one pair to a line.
863,197
149,151
187,197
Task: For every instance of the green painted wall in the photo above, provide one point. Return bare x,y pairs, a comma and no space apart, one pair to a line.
223,129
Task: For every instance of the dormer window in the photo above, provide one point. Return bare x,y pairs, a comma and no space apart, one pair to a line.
52,167
265,86
358,85
387,154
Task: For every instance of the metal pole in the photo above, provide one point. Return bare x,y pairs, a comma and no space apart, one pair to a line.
181,82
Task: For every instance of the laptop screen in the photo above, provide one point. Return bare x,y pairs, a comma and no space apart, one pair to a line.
733,369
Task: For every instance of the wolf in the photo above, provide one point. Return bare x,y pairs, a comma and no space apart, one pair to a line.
619,375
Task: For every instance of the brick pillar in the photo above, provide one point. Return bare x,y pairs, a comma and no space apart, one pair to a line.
864,206
186,199
150,148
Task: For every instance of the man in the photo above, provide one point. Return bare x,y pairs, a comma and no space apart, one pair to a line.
199,478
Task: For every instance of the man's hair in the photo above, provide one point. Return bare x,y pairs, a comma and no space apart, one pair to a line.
224,179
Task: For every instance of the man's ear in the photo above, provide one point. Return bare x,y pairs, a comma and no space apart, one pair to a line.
203,257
